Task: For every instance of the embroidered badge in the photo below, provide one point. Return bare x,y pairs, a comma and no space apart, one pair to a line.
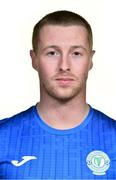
98,162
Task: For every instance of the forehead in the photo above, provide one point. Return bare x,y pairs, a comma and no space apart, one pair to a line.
63,33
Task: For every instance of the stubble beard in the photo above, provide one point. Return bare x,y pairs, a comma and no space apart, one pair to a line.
60,94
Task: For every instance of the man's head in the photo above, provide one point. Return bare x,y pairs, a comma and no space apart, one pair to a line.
62,55
61,18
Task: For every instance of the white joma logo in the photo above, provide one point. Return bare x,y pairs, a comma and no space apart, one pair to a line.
25,159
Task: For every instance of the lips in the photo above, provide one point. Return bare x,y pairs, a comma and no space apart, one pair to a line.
64,81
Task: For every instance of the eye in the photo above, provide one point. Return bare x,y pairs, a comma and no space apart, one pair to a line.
52,53
76,53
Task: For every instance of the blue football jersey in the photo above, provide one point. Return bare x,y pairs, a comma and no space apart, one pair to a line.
31,149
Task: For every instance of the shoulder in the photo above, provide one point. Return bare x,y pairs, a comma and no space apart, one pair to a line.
103,118
17,118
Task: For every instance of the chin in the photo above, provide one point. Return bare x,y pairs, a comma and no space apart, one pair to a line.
63,94
63,97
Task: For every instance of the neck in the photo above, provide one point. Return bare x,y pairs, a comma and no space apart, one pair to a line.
63,115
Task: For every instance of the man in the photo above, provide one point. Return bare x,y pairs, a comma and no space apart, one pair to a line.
62,137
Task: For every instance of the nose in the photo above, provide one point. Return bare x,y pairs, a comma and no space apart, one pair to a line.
64,64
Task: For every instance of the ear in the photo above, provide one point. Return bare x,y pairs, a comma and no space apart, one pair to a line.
34,59
91,57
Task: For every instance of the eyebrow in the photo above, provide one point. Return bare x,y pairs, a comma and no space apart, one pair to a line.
72,47
78,47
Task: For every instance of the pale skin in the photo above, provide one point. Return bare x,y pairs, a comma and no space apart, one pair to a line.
63,60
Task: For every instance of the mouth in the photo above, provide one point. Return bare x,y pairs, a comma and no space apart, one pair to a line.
64,81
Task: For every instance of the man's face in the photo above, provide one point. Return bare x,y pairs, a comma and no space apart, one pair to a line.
62,61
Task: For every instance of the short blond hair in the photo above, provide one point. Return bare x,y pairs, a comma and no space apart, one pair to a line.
64,18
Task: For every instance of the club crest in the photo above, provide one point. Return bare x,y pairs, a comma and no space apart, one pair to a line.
98,162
